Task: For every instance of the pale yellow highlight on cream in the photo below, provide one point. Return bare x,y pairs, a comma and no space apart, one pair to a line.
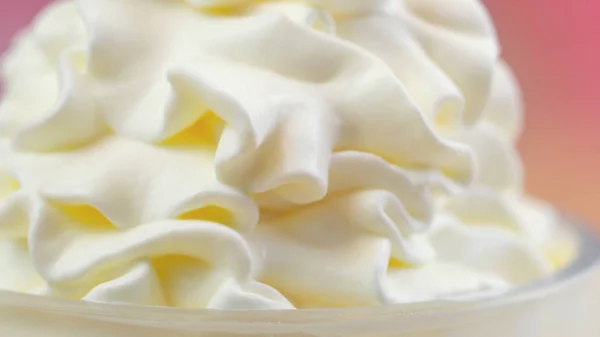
562,253
211,213
182,278
205,132
394,263
8,185
86,217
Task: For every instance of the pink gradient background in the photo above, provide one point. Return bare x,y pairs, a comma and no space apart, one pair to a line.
554,48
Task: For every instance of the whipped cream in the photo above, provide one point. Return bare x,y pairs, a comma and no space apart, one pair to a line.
237,154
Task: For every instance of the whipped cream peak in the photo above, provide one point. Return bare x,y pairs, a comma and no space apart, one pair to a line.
264,155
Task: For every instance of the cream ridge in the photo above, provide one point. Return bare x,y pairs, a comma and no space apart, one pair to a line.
241,154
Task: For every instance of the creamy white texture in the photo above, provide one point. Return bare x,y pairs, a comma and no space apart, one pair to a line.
277,154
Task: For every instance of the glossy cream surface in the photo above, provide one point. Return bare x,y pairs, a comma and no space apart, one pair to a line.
242,154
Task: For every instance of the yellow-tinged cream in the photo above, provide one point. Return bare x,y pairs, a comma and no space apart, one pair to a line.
265,155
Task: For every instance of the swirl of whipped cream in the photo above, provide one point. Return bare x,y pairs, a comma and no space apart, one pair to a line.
238,154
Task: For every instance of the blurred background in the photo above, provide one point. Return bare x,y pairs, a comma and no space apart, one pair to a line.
554,48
